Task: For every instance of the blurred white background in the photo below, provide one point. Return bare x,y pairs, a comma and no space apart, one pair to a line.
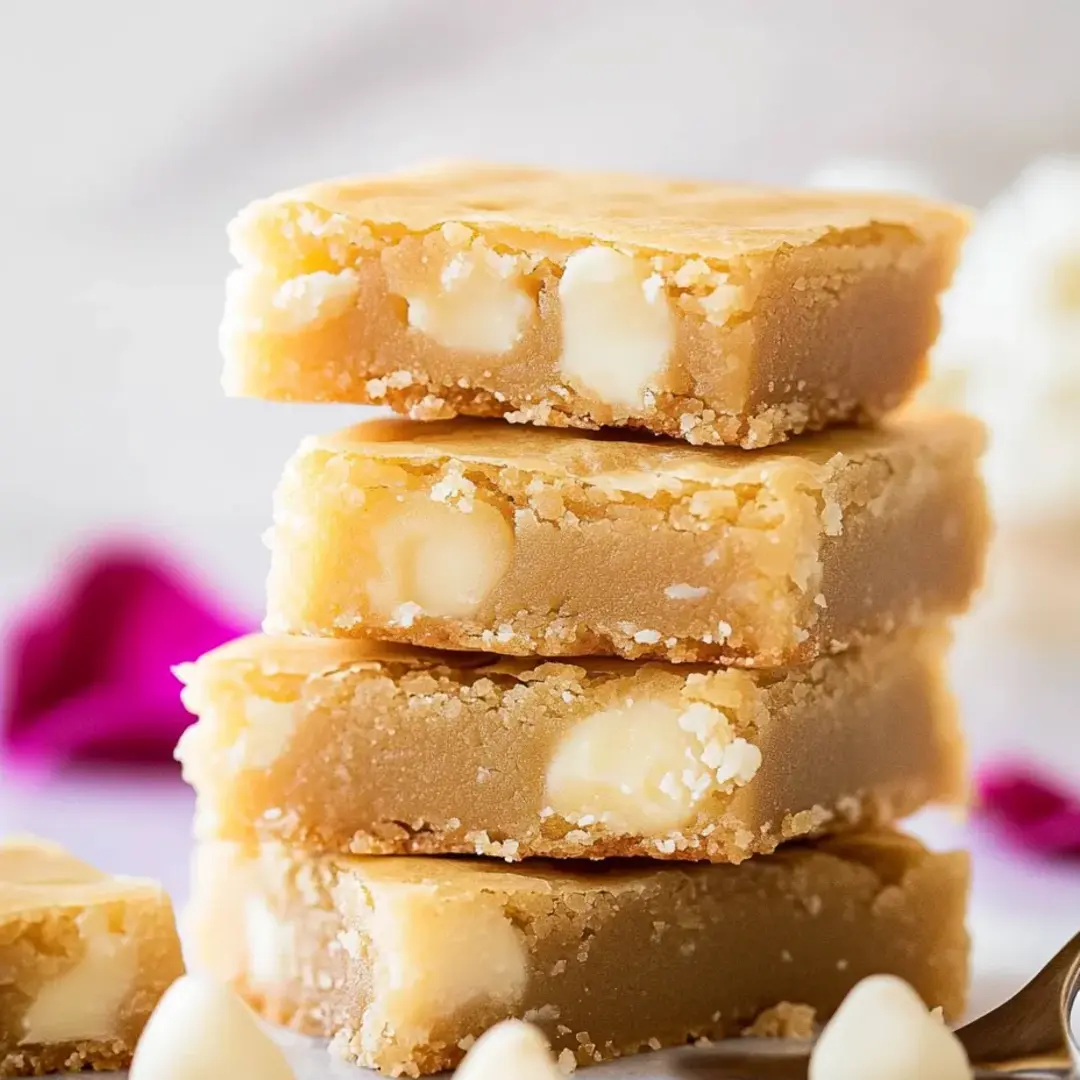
133,131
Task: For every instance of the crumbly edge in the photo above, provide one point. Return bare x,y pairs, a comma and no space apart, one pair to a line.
723,844
782,1020
428,399
97,1055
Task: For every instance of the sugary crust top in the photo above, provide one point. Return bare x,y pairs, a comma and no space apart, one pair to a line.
641,213
38,875
646,465
888,855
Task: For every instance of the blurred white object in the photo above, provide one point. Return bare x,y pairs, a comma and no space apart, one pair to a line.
1010,353
202,1031
510,1049
1010,345
869,174
882,1029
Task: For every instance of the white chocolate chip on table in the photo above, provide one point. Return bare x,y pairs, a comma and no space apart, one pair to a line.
883,1030
511,1050
202,1031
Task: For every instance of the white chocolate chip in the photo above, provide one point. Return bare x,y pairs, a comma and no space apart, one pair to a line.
511,1048
404,615
723,302
257,302
434,958
268,729
883,1030
617,326
432,558
477,302
201,1030
84,1002
642,768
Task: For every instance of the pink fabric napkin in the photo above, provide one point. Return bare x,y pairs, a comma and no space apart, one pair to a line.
87,664
1031,810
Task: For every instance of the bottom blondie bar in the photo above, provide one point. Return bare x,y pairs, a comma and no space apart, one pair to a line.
405,961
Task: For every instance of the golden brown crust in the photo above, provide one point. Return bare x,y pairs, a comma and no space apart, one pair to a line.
714,220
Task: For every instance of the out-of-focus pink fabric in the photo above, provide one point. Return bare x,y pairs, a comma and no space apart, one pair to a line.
86,666
1031,810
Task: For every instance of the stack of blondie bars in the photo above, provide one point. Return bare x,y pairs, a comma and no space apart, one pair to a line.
585,695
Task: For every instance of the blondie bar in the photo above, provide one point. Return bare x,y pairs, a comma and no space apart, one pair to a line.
525,541
350,746
84,958
710,312
405,961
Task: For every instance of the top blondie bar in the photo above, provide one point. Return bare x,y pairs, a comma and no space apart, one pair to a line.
715,313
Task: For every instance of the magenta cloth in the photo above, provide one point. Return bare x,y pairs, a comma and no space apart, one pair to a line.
1033,811
87,666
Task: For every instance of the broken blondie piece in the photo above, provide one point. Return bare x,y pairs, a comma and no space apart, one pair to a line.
716,313
84,958
354,746
525,541
405,961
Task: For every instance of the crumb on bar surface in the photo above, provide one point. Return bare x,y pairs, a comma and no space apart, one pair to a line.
714,313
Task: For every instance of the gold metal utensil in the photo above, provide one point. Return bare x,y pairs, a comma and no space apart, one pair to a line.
1034,1024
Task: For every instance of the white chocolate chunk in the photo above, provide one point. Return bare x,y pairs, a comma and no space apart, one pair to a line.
256,301
511,1048
643,768
883,1030
202,1031
433,558
434,959
477,302
618,330
85,1001
267,731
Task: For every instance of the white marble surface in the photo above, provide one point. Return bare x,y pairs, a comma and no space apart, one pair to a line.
1022,909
